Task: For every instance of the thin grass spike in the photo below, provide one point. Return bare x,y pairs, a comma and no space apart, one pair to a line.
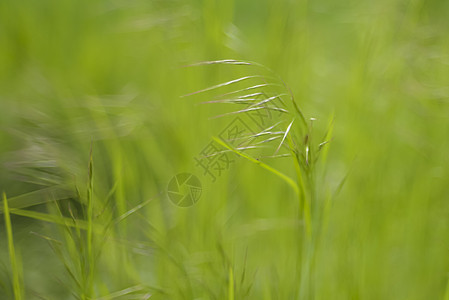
257,86
285,135
251,109
224,84
223,61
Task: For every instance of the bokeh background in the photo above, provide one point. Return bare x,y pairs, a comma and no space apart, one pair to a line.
108,76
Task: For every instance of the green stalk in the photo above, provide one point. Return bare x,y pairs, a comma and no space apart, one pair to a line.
90,251
287,179
231,284
304,203
12,253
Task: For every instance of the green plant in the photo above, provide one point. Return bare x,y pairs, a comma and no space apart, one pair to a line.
15,265
290,131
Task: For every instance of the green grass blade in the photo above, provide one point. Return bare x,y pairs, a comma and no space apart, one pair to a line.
124,292
131,211
12,253
284,177
81,224
231,284
323,148
41,196
304,204
90,250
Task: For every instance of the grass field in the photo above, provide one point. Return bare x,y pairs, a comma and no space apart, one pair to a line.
321,159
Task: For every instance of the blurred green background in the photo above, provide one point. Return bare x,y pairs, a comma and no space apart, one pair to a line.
108,76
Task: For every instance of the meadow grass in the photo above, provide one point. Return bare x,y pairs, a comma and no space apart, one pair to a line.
15,269
343,195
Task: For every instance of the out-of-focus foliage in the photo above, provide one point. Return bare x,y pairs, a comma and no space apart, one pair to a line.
92,129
